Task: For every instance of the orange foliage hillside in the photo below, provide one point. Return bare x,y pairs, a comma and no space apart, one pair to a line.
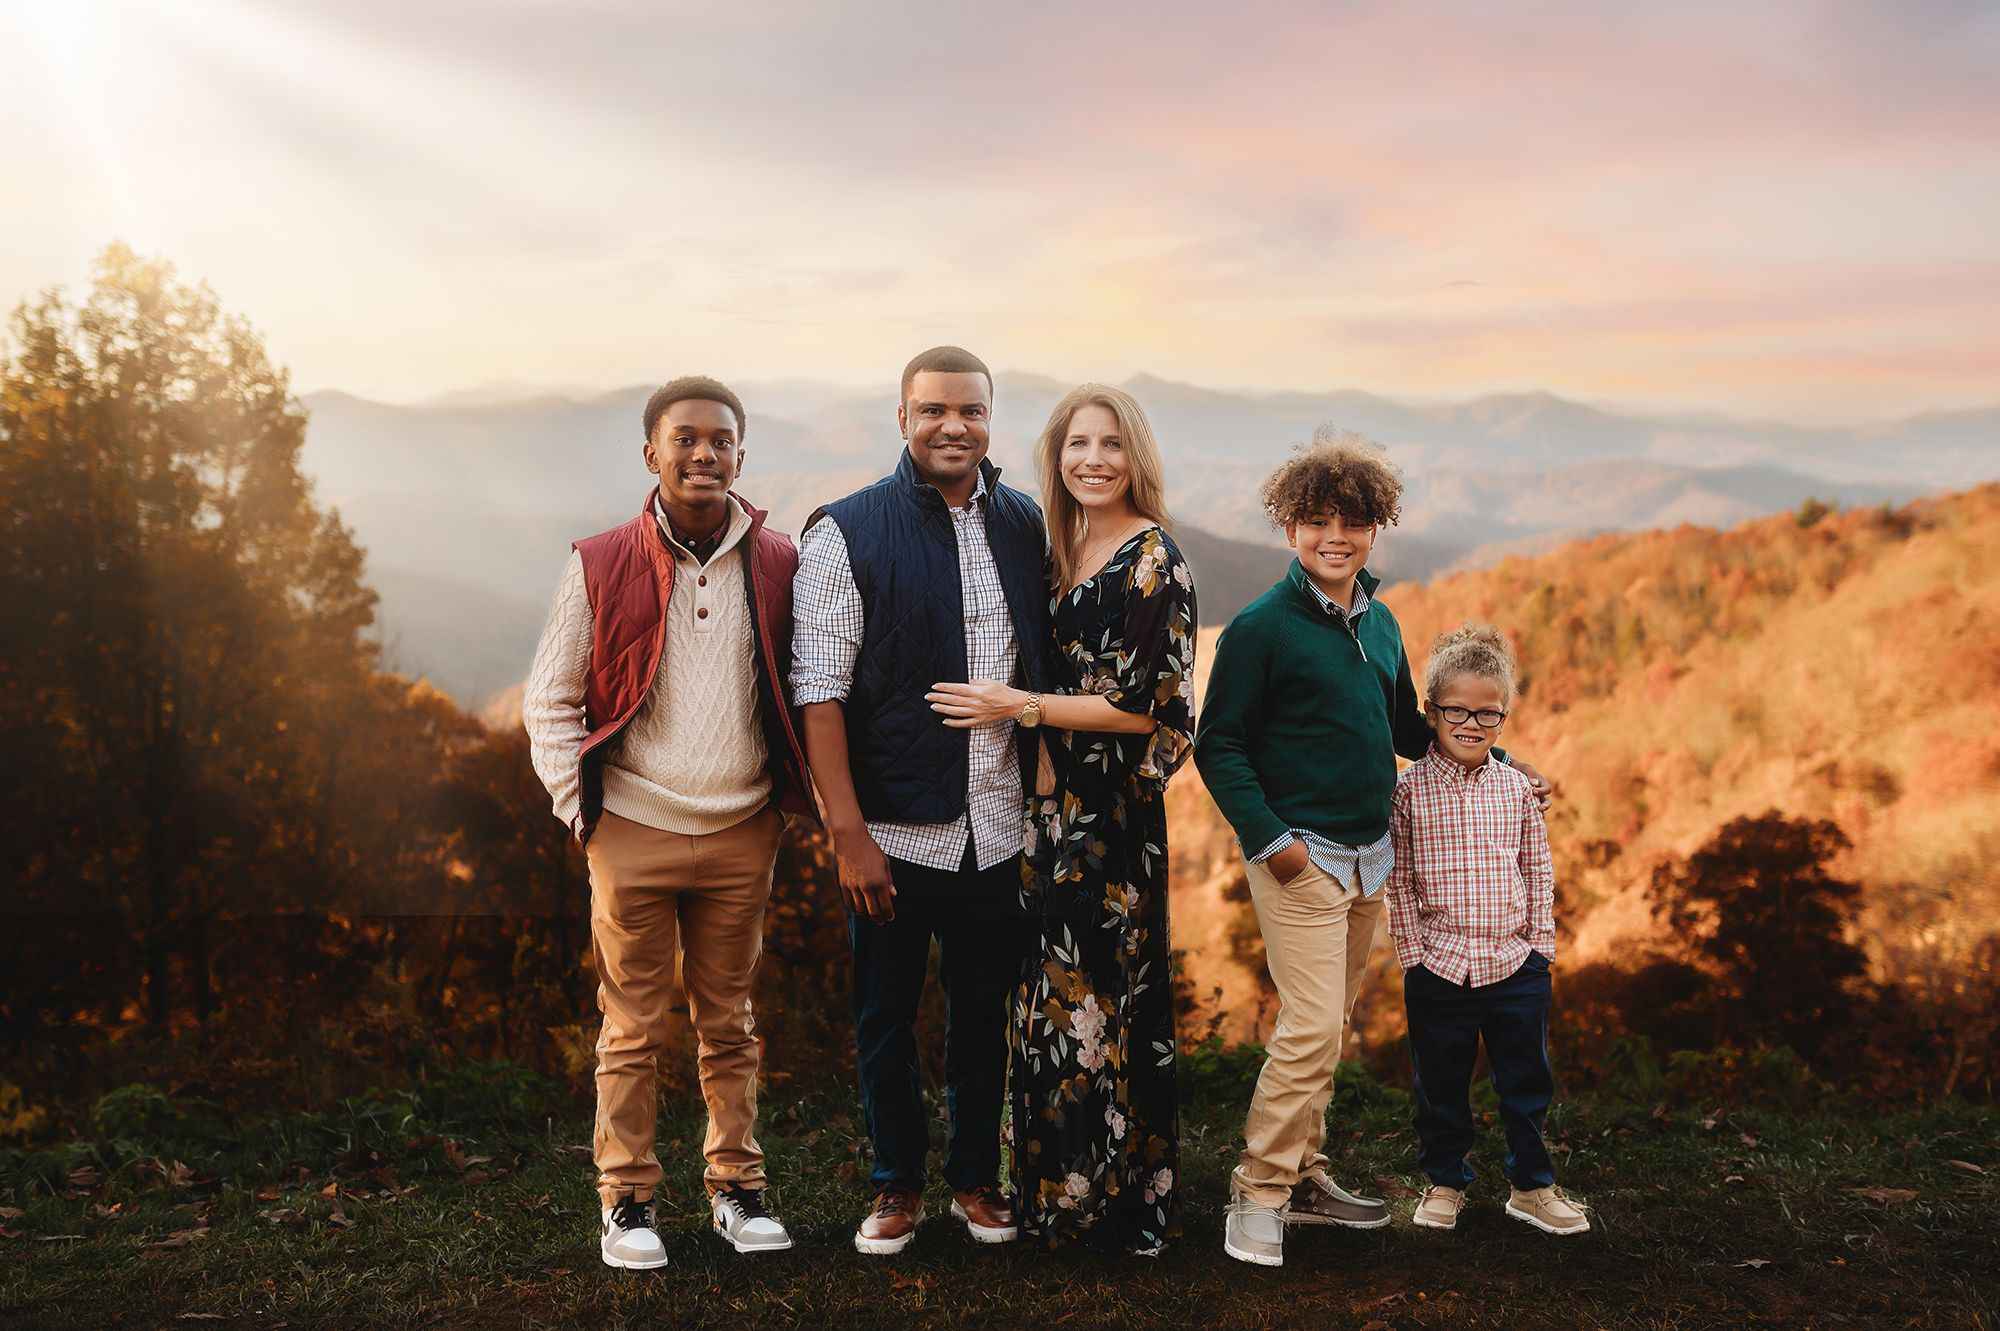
1849,670
1672,681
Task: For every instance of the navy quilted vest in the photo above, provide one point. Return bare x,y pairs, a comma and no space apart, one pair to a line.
909,767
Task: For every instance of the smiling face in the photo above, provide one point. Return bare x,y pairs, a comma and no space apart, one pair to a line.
696,453
1095,468
945,422
1466,742
1331,551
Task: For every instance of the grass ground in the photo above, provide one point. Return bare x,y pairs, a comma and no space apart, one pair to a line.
1753,1221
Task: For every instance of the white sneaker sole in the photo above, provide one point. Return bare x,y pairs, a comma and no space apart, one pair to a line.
886,1247
621,1264
985,1233
1256,1259
1544,1225
741,1246
1434,1224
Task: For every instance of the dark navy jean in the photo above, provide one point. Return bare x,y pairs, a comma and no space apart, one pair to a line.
1447,1022
975,917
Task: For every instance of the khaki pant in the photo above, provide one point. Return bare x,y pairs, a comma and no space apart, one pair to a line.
1316,939
654,893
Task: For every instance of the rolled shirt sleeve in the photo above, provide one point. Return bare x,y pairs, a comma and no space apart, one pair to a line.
827,618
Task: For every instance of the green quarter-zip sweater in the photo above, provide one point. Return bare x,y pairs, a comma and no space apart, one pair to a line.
1304,716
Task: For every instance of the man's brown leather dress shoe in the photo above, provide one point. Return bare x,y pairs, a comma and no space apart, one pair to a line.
892,1224
987,1216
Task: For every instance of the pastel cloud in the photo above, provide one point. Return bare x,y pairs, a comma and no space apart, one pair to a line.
1770,206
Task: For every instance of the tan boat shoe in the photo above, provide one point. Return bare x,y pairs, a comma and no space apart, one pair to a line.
1439,1207
1547,1209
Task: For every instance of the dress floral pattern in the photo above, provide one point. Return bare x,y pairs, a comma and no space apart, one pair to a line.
1094,1126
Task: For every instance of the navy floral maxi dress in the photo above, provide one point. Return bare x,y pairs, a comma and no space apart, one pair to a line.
1094,1125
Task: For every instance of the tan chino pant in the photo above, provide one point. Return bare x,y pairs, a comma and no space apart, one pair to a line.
1316,939
653,894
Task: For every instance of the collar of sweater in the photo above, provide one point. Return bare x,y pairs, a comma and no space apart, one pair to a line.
739,523
1302,586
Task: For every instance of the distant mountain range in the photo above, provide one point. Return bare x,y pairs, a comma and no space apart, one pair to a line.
467,503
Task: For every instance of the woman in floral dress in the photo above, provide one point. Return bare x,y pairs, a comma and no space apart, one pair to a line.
1094,1124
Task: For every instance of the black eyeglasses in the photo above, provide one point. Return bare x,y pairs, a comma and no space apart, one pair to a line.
1458,716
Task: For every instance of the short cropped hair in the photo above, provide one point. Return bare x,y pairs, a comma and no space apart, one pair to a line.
693,388
944,360
1471,649
1338,472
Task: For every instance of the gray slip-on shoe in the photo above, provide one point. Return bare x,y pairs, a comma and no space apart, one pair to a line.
1321,1201
1253,1233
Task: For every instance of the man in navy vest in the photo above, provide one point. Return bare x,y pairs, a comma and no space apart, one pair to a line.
933,573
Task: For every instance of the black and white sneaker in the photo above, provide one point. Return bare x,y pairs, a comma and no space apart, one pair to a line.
742,1218
630,1242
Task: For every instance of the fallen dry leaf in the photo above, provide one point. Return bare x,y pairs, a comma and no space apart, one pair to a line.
475,1178
283,1217
846,1171
85,1178
1395,1187
1886,1196
1711,1120
1747,1140
339,1216
201,1317
56,1238
9,1233
1756,1263
903,1280
1965,1165
1375,1326
11,1213
461,1161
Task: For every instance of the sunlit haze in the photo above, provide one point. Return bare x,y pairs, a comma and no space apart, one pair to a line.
1771,208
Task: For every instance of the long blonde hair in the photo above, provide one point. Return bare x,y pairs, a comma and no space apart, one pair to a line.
1149,488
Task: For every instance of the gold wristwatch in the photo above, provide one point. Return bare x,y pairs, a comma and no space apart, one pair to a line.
1031,715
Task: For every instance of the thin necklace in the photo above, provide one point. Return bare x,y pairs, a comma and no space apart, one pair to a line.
1121,536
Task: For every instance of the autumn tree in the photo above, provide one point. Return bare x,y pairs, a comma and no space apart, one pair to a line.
183,622
1759,912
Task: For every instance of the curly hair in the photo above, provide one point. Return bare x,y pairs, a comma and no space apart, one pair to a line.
1338,472
1471,649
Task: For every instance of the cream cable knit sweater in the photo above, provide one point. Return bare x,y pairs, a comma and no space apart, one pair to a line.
693,759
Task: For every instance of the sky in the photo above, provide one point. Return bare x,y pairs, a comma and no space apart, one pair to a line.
1758,207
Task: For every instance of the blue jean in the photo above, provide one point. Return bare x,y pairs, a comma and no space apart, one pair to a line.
981,945
1447,1022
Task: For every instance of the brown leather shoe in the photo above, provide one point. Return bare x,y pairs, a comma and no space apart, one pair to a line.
987,1216
892,1224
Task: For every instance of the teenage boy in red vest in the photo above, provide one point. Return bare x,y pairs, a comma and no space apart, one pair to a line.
658,723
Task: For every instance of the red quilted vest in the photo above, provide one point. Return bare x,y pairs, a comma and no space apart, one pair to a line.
629,575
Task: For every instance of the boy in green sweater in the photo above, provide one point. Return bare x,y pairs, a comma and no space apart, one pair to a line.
1309,701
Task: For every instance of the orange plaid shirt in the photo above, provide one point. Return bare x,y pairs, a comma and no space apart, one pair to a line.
1473,889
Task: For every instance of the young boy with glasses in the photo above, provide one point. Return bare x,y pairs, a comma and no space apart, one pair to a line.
1472,907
